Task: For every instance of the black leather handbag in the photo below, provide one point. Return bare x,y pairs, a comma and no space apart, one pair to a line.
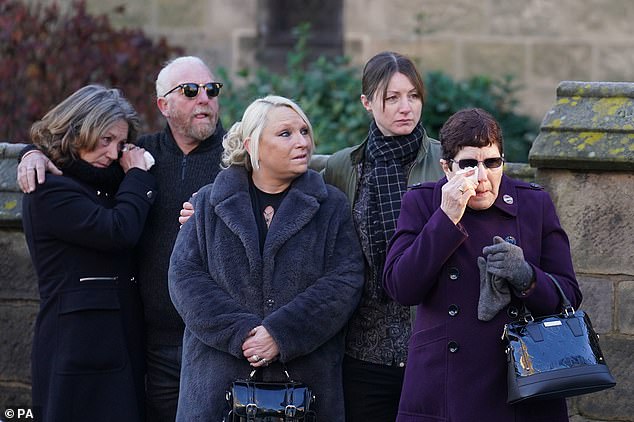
261,401
554,356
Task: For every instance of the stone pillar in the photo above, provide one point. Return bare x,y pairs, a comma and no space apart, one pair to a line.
584,156
18,289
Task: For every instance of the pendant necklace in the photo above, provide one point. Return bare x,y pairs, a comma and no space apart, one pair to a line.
268,215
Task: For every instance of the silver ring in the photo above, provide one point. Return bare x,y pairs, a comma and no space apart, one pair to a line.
461,190
255,358
264,361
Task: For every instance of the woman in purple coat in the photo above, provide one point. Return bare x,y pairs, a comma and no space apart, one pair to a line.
469,251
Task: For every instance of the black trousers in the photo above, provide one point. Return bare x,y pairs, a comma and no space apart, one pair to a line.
162,382
371,392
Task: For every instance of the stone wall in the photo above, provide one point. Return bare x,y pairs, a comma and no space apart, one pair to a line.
18,290
584,155
540,42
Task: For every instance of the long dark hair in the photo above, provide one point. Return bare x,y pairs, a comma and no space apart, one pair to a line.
378,71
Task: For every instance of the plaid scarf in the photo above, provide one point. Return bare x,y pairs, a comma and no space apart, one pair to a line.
388,157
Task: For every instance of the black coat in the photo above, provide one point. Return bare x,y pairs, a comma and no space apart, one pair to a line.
88,354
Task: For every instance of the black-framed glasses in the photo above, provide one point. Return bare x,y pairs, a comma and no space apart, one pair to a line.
191,89
490,163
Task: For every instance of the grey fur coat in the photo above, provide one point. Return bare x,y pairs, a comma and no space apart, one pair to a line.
303,289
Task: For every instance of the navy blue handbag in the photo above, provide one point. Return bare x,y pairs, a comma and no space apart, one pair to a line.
554,356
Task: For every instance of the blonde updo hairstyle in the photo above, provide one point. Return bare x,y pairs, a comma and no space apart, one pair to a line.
254,120
78,122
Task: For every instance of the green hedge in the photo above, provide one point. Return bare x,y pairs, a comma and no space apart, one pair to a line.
328,90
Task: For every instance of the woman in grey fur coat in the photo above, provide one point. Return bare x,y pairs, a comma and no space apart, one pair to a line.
267,271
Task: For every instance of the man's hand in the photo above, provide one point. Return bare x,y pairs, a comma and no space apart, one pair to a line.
186,212
32,170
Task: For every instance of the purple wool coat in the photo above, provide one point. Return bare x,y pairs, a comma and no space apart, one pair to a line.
456,368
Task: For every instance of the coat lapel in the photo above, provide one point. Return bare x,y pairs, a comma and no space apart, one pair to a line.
298,208
232,204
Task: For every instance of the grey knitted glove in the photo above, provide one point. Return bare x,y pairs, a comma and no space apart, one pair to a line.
506,260
495,294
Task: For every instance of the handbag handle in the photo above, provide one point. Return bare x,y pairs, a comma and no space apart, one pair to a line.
284,370
566,307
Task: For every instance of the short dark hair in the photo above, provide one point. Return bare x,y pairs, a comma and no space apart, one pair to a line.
378,71
472,127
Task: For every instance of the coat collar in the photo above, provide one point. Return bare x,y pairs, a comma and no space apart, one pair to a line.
507,198
232,203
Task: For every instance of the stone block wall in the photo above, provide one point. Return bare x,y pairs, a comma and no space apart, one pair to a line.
18,290
584,155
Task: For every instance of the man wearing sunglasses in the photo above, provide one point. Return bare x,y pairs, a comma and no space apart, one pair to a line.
187,154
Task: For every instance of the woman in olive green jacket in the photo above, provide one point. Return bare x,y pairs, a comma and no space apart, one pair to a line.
374,175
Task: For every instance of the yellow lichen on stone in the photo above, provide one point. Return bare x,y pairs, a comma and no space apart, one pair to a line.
555,123
588,139
609,106
9,205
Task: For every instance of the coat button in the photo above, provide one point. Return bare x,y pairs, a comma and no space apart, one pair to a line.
453,346
150,194
453,310
454,273
270,303
512,312
511,240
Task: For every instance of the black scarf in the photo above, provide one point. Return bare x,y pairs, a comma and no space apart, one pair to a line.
388,158
106,179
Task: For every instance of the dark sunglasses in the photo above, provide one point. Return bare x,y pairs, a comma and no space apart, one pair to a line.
490,163
190,89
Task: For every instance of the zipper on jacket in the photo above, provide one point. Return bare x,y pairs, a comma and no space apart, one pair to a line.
98,279
183,167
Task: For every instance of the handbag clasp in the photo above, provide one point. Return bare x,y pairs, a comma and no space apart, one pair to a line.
290,411
251,411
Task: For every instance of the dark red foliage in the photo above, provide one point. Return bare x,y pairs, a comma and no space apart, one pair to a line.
45,55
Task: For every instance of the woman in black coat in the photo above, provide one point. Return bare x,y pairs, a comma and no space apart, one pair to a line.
80,227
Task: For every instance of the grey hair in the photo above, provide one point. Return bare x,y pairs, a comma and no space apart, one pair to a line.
253,122
165,79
